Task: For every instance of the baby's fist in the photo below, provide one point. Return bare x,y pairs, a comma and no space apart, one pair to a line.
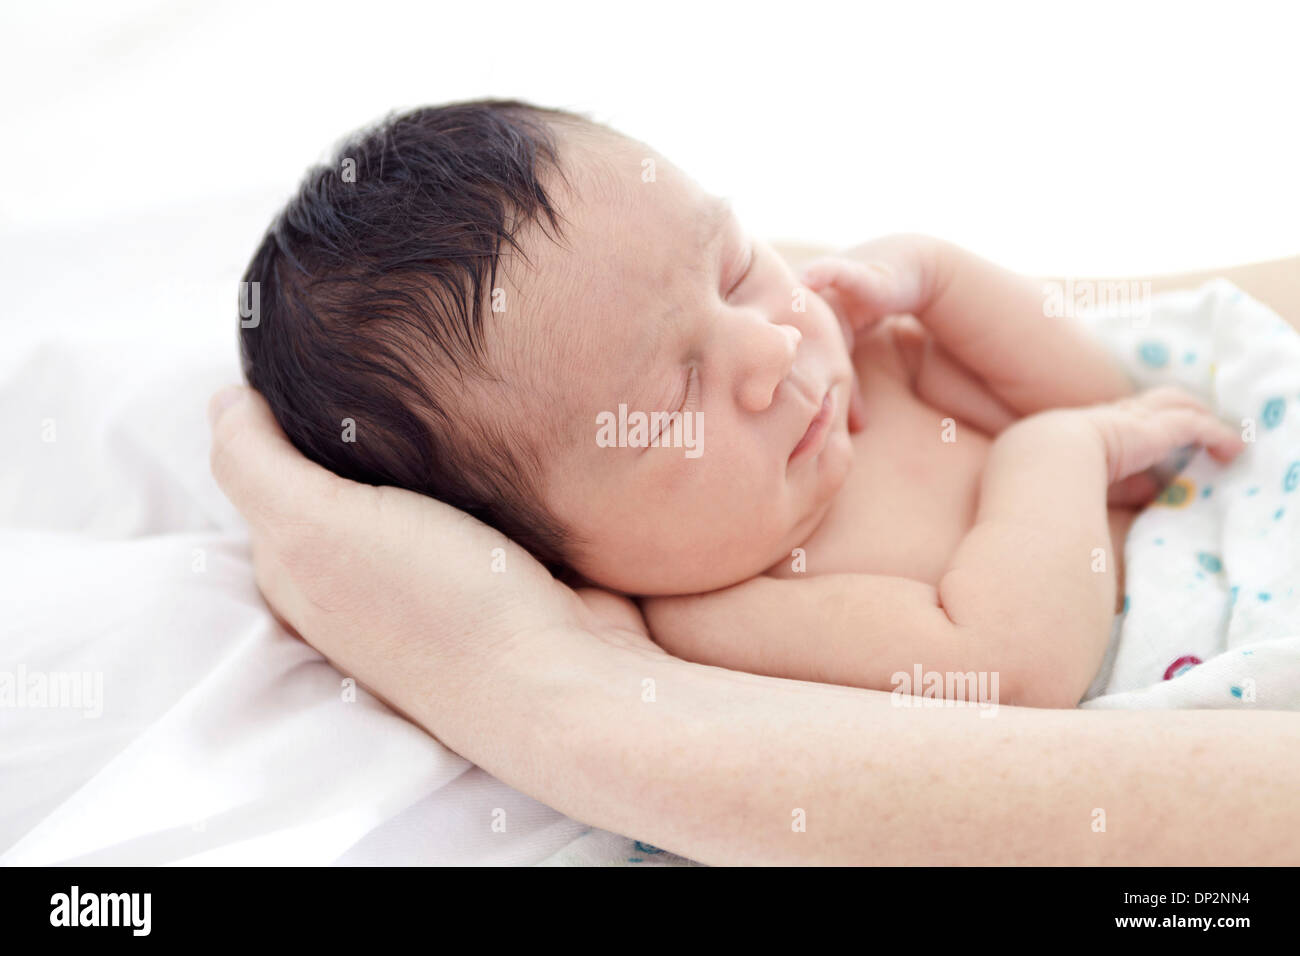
1143,431
885,277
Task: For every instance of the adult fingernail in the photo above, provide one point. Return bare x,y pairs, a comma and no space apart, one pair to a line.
222,400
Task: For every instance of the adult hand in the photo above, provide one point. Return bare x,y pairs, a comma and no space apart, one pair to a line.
362,572
561,695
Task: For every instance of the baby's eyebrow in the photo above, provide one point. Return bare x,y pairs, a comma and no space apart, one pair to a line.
711,228
714,222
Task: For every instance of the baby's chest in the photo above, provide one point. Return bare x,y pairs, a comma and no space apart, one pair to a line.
911,495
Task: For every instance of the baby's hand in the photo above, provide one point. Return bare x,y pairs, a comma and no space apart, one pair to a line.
1143,431
884,277
890,276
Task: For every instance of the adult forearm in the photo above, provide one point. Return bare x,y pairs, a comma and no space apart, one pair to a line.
729,768
1275,283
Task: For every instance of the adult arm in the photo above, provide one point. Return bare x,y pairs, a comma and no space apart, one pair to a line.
1276,283
548,691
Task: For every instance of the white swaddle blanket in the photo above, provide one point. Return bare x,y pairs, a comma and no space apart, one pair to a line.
1211,616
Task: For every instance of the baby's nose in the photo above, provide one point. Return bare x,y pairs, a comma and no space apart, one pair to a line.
767,365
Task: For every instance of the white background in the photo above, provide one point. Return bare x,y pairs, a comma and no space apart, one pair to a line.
147,144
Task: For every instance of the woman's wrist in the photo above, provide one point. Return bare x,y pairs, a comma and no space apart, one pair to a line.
732,768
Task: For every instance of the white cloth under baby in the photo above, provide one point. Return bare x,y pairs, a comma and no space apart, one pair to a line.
1211,612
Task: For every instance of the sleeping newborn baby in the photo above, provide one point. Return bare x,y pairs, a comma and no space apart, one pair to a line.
896,462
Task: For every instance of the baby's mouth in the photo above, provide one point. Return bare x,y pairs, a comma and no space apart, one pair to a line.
817,428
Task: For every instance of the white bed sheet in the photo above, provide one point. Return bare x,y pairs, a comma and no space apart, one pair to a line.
221,739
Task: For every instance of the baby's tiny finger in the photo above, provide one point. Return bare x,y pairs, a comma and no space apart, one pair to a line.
819,273
1172,396
1224,444
851,277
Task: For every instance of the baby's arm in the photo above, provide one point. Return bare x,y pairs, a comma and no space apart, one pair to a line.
1028,594
1018,598
992,321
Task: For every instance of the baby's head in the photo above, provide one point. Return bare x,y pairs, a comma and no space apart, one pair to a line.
462,300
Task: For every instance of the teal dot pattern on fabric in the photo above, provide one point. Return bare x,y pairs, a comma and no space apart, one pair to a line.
1153,353
1273,413
1167,355
645,849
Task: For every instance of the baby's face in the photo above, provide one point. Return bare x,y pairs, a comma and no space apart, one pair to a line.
658,301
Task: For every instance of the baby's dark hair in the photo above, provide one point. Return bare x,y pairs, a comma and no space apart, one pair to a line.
366,300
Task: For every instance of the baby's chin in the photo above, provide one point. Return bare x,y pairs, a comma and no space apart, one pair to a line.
828,474
684,573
